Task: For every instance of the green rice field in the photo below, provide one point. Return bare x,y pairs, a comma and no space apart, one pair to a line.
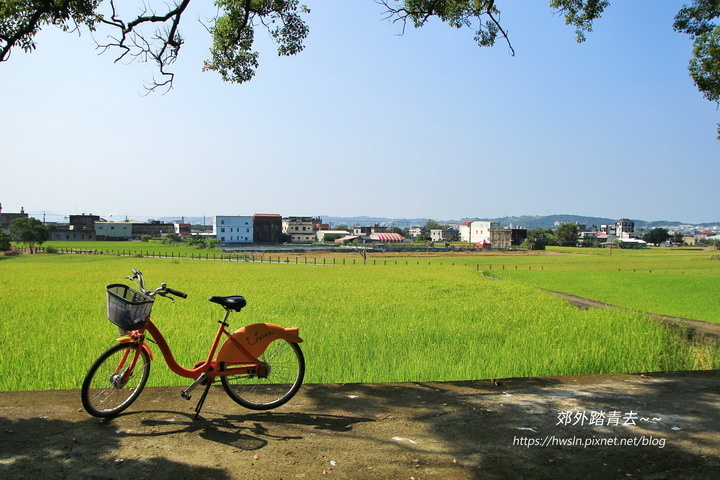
392,319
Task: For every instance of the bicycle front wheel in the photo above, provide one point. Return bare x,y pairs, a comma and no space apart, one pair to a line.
274,382
112,384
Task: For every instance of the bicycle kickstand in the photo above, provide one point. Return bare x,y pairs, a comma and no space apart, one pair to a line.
202,400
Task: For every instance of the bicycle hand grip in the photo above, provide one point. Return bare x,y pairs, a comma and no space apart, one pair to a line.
177,293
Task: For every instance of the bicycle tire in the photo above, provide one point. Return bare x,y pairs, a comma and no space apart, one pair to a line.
285,369
103,395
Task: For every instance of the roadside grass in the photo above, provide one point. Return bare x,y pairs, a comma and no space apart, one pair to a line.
360,323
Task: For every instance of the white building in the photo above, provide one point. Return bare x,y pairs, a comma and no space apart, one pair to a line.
233,228
415,231
477,232
113,230
625,228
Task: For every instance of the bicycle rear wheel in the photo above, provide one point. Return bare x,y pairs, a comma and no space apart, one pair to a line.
276,381
112,384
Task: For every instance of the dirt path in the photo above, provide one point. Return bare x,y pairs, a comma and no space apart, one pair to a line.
707,329
656,426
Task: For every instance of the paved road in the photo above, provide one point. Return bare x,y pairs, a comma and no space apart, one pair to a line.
656,426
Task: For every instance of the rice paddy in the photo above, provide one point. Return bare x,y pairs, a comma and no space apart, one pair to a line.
398,319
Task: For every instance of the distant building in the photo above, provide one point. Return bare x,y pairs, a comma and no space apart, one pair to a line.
444,235
300,229
504,238
113,230
153,228
334,234
415,231
624,228
183,229
267,228
80,228
477,231
7,218
588,237
607,230
233,228
369,230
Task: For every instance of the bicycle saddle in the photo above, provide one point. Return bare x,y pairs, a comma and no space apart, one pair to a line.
233,302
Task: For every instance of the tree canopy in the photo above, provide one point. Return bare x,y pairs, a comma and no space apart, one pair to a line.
153,33
567,234
30,231
657,236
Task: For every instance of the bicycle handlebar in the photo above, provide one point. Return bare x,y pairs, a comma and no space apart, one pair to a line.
162,290
177,293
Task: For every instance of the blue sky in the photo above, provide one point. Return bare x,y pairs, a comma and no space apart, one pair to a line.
368,122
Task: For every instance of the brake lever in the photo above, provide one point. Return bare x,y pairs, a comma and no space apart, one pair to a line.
166,296
163,293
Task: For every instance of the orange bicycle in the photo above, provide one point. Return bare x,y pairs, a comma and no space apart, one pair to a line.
260,366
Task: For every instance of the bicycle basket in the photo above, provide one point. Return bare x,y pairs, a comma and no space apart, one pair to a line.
127,308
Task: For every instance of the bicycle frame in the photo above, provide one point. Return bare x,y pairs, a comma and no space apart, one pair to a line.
243,358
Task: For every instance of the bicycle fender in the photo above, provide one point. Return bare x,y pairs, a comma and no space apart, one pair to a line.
132,340
254,338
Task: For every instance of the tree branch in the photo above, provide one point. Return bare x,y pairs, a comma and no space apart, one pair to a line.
456,13
164,47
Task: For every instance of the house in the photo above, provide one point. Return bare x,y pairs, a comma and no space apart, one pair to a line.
437,235
504,238
477,231
588,238
607,231
625,228
79,228
415,231
113,230
183,229
300,229
631,243
233,228
368,230
267,228
7,218
152,228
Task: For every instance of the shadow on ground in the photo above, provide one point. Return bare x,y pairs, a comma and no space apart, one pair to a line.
656,426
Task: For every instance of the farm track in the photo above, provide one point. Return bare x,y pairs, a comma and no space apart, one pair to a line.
694,327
